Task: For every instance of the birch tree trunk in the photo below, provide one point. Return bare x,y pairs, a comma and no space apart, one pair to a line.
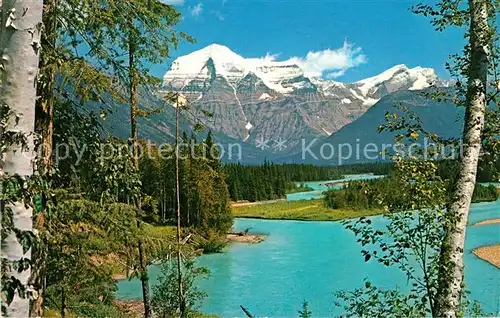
19,57
451,267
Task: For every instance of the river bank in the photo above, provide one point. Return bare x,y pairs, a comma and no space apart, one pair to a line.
302,210
118,266
246,203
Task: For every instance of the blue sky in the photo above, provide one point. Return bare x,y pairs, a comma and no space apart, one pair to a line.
384,31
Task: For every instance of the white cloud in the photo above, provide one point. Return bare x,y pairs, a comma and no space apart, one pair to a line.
331,63
197,10
219,15
268,58
327,63
173,2
334,74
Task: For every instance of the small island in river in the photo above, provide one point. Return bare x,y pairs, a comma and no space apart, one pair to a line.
490,254
246,238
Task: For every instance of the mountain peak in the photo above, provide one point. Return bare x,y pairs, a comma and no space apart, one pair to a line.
216,46
398,67
385,75
217,51
195,66
398,77
230,66
287,77
220,54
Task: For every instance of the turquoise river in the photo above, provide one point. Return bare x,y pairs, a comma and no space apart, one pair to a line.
312,260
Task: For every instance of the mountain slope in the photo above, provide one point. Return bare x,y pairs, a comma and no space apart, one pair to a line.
444,119
160,128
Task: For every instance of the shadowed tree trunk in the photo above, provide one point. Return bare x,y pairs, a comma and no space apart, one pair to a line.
20,32
45,106
133,83
44,125
451,269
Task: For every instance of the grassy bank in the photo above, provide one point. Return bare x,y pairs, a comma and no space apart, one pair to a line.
304,210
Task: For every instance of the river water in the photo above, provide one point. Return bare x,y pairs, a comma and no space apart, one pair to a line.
312,260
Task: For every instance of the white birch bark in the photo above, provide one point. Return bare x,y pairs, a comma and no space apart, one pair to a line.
19,53
451,273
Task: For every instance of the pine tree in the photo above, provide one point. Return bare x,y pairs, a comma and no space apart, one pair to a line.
305,312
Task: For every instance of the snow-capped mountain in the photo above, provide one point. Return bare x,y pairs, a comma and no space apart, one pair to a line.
278,76
255,99
231,66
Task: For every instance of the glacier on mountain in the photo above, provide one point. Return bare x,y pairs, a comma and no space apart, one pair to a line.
231,66
286,77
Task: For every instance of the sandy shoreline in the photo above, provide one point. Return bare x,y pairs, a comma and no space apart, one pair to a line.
490,254
488,222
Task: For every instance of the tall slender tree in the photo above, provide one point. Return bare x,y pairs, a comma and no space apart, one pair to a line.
180,101
148,26
452,263
133,101
20,26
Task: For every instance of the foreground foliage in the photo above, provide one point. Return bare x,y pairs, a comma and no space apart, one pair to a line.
165,301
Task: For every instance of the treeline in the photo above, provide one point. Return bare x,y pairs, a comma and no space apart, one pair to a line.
485,193
386,192
257,183
203,191
365,194
270,181
488,170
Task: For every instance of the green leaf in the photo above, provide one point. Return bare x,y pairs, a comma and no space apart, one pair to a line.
367,257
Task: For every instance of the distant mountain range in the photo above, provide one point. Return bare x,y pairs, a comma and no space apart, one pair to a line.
258,100
271,109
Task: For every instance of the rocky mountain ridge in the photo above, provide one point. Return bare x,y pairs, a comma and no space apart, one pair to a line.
275,105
